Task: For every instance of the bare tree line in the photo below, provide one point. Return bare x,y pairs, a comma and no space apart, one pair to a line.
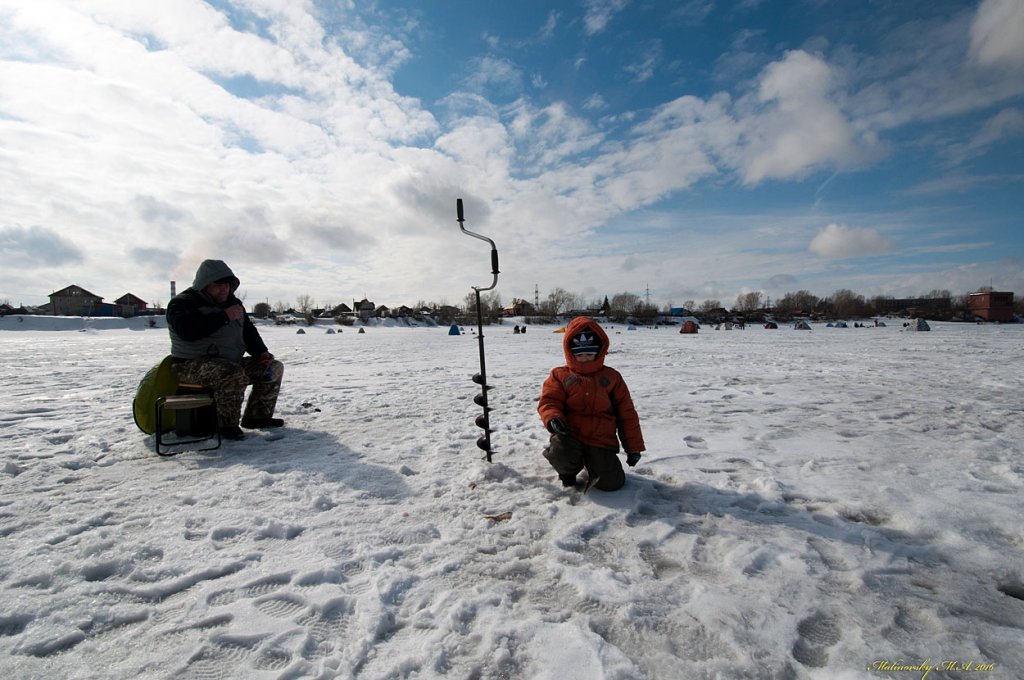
621,307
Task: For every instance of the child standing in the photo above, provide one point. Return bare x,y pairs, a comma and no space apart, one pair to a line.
586,407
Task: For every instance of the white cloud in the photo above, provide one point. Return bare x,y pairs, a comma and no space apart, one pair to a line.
633,263
837,242
479,143
547,31
997,130
800,126
963,183
936,68
498,76
1004,125
551,135
671,150
643,68
136,151
599,14
780,282
997,33
1004,274
36,246
693,12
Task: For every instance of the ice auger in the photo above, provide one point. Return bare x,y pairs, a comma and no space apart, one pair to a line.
482,421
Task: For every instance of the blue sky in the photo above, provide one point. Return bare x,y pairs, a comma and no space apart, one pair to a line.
699,150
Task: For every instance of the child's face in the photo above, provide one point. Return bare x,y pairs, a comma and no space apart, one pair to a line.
586,356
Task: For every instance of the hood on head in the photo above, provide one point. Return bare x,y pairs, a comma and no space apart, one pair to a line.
591,327
214,270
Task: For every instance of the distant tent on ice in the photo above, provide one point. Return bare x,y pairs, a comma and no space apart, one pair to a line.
631,327
559,330
771,324
841,324
689,326
918,325
801,326
454,330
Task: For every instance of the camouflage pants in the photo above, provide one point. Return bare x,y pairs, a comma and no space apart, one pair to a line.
228,381
568,456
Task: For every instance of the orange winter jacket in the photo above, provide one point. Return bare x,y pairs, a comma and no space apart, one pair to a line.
590,397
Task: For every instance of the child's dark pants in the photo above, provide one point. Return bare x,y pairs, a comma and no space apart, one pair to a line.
568,456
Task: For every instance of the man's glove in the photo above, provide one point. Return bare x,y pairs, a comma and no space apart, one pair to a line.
558,426
632,458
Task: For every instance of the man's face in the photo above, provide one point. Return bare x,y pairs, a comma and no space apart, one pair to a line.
218,291
586,356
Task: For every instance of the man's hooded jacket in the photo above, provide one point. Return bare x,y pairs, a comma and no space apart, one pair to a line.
591,398
200,328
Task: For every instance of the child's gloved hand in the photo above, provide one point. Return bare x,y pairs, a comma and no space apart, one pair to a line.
632,458
558,426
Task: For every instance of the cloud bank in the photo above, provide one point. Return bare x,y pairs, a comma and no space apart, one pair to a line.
36,247
143,138
836,242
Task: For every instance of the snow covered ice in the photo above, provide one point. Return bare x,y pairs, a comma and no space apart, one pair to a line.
811,505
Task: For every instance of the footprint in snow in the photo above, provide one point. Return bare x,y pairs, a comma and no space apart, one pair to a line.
818,632
695,442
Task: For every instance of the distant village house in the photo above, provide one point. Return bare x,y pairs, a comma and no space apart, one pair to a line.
519,307
77,301
129,305
363,309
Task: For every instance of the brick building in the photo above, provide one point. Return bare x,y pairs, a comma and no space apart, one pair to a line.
991,306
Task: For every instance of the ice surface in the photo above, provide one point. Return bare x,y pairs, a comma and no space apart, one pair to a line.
810,503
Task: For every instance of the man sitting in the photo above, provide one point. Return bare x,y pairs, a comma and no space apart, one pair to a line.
210,334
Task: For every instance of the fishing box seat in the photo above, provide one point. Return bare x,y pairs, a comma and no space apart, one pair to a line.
195,418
